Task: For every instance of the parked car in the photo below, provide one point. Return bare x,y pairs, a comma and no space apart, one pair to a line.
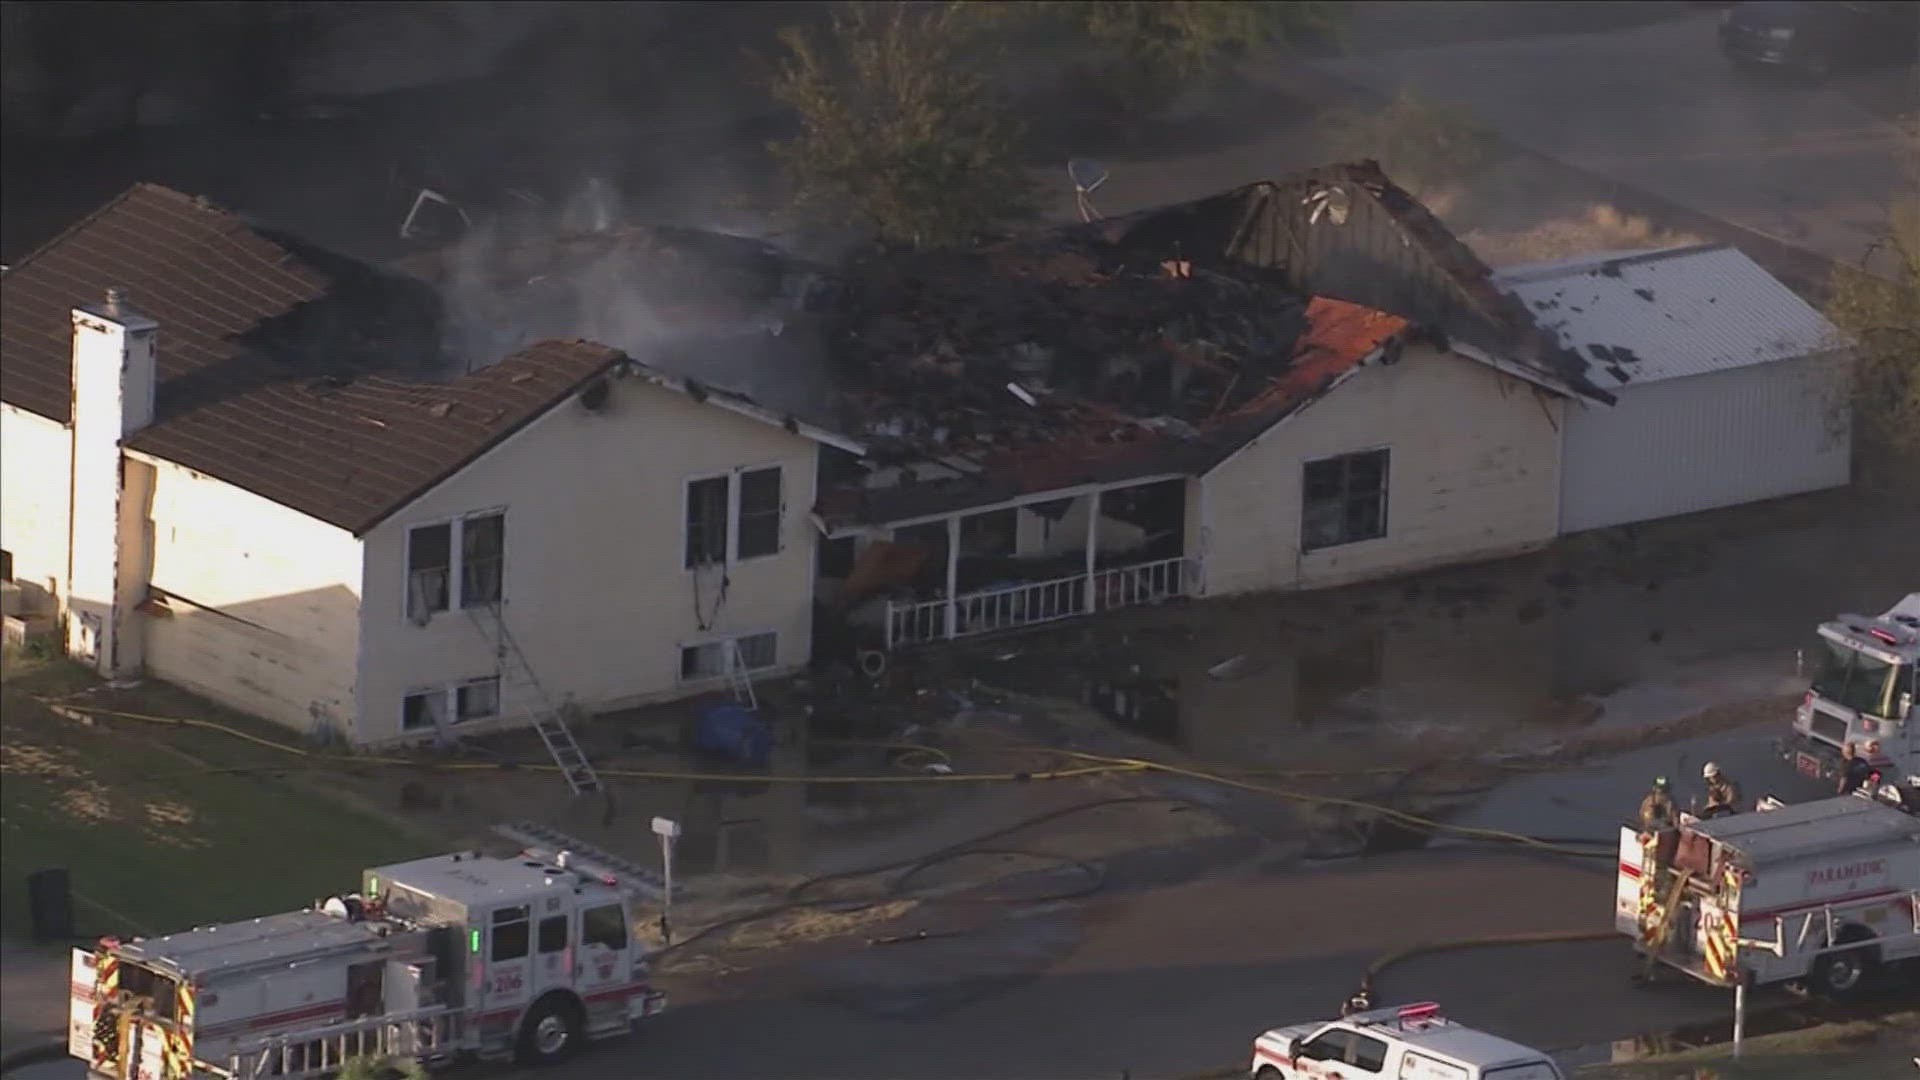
1816,39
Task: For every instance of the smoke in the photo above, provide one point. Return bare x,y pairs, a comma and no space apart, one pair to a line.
726,309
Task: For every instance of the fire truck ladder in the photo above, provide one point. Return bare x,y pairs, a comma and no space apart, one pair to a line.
546,843
548,722
427,1034
1663,930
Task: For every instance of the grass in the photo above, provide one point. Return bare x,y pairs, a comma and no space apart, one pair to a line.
154,836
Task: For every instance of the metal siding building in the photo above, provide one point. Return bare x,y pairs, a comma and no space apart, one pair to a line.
1730,388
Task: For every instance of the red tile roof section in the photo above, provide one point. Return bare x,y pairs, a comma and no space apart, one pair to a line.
348,455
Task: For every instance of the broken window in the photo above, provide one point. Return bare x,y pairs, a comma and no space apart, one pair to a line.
483,542
759,513
1344,500
423,710
989,534
707,522
712,659
477,700
429,563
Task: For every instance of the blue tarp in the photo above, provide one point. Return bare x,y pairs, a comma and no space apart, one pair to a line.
730,732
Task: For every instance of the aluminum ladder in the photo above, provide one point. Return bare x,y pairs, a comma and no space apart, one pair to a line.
739,680
548,723
427,1034
546,844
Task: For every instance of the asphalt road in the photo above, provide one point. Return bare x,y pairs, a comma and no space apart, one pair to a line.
1656,106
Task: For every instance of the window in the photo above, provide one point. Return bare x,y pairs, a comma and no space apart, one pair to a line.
1856,681
1368,1054
759,651
712,659
6,566
553,933
429,562
759,513
1327,1046
477,700
509,933
733,517
483,549
445,569
1344,500
707,522
425,709
604,926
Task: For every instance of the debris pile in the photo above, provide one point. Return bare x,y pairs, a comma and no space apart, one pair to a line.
970,353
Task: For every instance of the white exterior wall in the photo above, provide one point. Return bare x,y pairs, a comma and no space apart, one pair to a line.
1473,473
595,588
1703,441
267,615
35,470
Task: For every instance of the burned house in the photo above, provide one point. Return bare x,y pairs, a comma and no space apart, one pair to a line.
627,465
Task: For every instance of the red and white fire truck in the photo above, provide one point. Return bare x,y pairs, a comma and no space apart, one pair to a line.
520,957
1822,892
1866,691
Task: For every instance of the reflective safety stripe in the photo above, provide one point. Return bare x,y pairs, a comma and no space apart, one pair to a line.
180,1039
107,1037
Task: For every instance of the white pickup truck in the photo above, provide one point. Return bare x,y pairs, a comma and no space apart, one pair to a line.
1407,1042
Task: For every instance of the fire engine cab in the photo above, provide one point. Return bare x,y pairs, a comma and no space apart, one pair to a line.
1864,691
1822,892
519,957
1407,1042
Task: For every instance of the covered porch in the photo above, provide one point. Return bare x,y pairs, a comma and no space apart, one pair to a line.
1033,560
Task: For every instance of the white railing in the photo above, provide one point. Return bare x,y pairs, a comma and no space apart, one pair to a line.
1032,603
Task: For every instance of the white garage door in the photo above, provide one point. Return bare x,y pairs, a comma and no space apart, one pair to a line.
1675,446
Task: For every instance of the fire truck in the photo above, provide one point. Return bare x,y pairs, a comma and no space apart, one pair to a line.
1864,691
520,957
1821,893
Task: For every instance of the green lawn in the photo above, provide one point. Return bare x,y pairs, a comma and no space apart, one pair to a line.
154,839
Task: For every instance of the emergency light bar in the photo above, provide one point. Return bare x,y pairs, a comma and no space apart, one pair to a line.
1425,1010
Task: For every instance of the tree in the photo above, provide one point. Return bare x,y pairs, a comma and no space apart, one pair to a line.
1155,48
1880,318
899,130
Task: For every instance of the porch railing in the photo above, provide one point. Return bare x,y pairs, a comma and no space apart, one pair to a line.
1031,603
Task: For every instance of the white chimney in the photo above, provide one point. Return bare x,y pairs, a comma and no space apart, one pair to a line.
113,388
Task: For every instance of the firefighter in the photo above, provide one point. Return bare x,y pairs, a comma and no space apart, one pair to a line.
1854,769
1723,795
1656,810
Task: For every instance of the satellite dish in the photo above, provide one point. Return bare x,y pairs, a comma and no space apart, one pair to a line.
1087,178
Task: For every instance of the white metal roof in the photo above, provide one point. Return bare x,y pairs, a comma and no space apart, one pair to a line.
208,950
1803,829
1643,316
481,881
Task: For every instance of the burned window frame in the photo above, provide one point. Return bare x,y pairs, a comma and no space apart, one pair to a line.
467,577
706,540
759,524
1348,504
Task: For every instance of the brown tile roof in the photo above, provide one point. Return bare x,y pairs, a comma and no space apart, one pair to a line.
347,448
